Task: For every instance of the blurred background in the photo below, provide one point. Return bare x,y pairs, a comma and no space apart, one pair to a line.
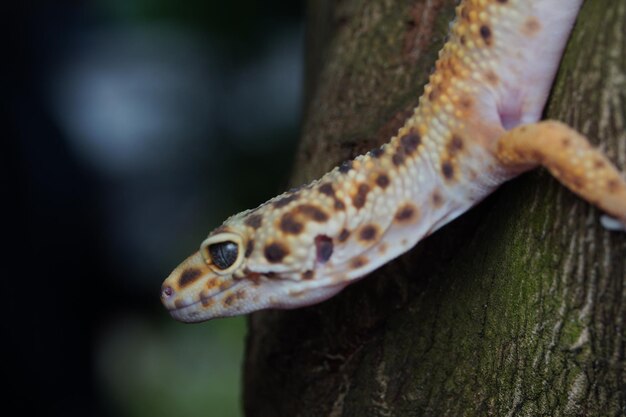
133,128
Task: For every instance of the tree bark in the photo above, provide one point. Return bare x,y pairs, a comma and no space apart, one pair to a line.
517,308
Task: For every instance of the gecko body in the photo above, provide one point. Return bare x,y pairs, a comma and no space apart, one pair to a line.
476,126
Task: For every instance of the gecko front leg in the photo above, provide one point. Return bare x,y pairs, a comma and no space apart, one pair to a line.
570,159
476,127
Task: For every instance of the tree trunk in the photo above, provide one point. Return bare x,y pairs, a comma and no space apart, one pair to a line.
517,308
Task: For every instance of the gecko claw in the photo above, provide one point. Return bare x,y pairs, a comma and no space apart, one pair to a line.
612,224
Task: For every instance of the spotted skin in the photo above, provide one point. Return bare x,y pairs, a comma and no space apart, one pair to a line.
476,126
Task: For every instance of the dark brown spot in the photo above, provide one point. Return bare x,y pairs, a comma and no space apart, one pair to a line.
531,26
406,213
288,224
432,96
598,164
345,167
455,145
464,13
254,277
179,303
485,33
285,200
382,181
437,199
502,1
465,103
254,221
229,300
327,189
207,301
324,248
578,182
410,142
344,235
360,197
275,252
249,248
492,78
358,262
398,157
566,142
463,40
368,232
613,185
447,170
312,212
240,294
376,153
189,276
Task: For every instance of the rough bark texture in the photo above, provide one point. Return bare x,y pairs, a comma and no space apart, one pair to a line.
517,308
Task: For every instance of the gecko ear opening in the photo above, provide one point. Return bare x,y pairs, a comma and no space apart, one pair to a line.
223,252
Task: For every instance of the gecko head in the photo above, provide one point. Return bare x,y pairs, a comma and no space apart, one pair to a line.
239,269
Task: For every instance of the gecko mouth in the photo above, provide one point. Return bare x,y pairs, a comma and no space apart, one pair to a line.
204,300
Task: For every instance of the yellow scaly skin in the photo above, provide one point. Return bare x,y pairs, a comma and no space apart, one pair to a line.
475,128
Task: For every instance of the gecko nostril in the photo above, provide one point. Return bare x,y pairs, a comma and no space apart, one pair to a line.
167,292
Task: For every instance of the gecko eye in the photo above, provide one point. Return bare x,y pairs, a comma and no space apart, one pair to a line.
222,252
